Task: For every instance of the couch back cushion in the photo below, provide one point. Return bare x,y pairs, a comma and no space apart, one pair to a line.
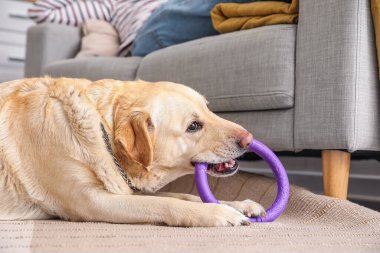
240,71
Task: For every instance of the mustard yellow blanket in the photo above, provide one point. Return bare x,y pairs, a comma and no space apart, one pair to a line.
229,17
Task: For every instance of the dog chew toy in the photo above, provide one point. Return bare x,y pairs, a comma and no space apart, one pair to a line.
279,172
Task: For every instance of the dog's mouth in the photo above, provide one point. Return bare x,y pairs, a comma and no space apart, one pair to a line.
222,169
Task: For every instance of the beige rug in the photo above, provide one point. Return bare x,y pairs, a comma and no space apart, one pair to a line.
311,223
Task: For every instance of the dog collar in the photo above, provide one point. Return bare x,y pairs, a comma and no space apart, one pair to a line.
121,171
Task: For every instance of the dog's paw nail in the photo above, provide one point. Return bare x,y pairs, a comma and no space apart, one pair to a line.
245,223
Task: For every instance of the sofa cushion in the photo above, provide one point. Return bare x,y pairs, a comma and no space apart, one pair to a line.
240,71
95,68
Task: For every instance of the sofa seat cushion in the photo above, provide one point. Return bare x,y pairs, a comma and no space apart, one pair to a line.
95,68
240,71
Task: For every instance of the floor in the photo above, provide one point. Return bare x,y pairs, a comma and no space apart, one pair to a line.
364,181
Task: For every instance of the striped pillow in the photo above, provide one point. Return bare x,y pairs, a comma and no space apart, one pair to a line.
128,17
70,12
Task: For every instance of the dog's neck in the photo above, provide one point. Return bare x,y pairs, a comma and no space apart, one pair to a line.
137,178
121,170
106,114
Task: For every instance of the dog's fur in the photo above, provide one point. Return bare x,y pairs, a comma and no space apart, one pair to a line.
54,159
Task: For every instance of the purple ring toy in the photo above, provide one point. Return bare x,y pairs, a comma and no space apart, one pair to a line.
279,172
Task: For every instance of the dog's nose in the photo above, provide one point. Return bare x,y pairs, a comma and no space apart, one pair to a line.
245,140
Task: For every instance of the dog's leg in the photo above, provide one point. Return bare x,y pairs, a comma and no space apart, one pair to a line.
100,205
80,196
246,207
182,196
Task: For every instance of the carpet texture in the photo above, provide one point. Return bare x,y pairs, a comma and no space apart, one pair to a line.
311,223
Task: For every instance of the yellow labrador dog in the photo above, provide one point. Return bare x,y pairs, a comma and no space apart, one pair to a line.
99,151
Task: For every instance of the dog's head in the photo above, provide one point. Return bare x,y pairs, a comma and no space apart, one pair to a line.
161,130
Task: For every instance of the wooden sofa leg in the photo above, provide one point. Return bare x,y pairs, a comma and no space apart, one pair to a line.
336,168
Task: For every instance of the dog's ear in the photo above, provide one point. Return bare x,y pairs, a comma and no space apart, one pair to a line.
134,135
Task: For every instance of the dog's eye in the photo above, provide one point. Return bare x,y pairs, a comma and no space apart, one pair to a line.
194,127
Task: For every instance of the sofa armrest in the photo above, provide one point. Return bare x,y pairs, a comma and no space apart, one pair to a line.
47,43
337,88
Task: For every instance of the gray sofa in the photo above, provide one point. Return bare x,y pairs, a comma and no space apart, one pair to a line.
311,86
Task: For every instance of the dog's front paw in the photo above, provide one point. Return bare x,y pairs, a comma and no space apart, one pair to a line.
224,215
208,215
247,207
